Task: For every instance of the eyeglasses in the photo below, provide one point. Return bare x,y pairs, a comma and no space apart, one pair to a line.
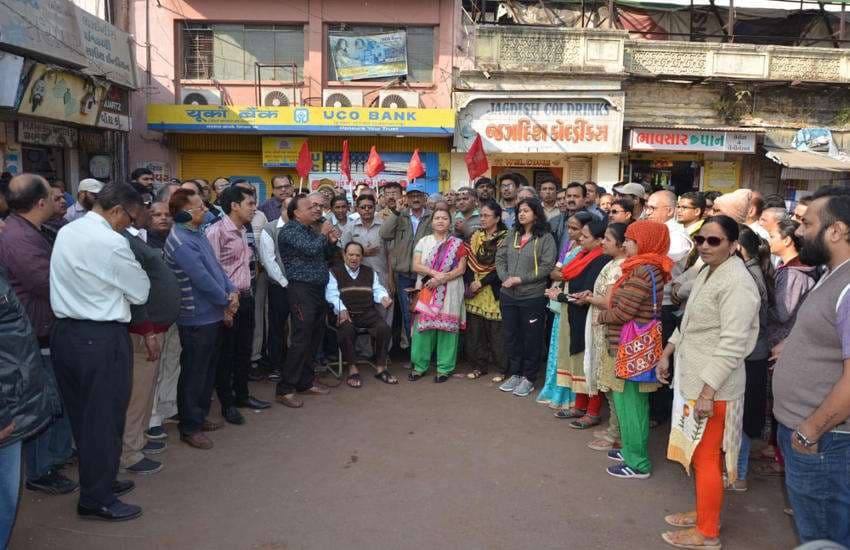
127,212
279,187
710,241
683,207
615,211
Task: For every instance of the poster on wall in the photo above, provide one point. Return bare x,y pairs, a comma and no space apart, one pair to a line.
11,66
722,176
368,56
281,152
60,95
161,172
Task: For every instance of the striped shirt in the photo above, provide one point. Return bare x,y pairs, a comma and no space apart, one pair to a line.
632,301
230,246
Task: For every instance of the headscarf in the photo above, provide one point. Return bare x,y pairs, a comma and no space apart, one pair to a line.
653,244
736,204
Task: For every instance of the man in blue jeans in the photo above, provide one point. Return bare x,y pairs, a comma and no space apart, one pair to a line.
811,381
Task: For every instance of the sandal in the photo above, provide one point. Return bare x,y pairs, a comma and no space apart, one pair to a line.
440,378
585,422
387,378
475,375
354,381
499,378
602,445
740,486
413,376
692,539
772,469
565,414
682,519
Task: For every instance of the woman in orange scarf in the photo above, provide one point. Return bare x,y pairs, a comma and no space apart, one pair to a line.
647,243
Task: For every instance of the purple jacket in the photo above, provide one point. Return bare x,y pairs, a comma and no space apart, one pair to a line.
271,208
25,255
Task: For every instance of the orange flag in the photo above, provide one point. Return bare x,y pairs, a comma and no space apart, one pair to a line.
415,169
374,165
476,159
305,161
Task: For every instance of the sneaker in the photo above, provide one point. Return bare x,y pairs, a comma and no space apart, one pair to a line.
154,447
615,455
511,383
155,433
275,376
624,471
524,388
144,467
53,483
173,419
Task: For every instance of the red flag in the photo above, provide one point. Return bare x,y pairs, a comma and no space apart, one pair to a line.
415,169
476,160
345,163
374,165
305,161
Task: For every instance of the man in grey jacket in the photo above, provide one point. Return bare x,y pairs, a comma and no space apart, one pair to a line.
406,228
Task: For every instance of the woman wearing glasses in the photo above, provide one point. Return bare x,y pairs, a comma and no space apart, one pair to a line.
718,331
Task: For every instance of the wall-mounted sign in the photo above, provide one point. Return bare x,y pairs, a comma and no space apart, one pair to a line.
11,66
281,152
59,30
570,125
360,56
41,133
302,120
115,109
645,139
60,95
722,176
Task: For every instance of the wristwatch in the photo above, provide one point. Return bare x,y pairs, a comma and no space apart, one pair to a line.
803,440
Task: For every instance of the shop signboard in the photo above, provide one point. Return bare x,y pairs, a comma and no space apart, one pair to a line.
722,176
11,66
368,56
553,125
51,135
60,95
651,139
59,30
115,110
281,151
301,120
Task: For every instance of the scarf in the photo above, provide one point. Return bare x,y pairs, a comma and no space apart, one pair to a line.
580,263
482,251
653,243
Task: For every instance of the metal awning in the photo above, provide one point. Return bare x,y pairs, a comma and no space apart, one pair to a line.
662,126
808,165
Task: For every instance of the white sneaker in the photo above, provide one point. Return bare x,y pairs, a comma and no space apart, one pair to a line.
524,388
511,383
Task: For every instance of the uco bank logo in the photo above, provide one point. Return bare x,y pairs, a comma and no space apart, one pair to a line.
302,116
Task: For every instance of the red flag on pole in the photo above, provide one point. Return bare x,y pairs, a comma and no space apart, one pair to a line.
304,164
476,160
374,165
345,163
415,169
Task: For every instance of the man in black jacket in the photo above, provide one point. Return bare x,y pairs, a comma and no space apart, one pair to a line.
29,406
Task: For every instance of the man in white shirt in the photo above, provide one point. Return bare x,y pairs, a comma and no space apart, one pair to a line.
94,278
352,291
278,294
86,195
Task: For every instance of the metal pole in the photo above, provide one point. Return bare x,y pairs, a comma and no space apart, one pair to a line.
611,9
731,21
841,27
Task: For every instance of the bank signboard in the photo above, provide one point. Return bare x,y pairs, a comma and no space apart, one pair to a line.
664,139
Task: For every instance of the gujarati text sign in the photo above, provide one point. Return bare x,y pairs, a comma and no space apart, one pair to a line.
642,139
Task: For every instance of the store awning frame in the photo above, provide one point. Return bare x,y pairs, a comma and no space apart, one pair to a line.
806,160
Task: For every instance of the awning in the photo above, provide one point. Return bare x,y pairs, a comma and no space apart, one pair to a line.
301,120
808,165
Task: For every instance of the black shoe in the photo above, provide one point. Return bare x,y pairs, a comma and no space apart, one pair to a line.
154,447
232,415
256,375
252,403
156,433
275,376
121,487
172,419
72,460
144,467
53,483
117,511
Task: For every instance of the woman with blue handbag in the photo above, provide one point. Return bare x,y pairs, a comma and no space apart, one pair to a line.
634,337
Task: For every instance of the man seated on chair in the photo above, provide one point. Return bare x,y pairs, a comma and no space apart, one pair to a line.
352,291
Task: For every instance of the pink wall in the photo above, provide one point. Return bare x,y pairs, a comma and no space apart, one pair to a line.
165,62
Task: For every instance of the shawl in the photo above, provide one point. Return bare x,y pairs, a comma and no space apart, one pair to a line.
442,308
580,263
481,251
653,242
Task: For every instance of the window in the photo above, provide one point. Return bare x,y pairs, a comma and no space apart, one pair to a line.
420,51
228,52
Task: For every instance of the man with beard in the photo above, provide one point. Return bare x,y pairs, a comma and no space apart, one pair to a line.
392,199
508,185
549,186
142,181
86,195
811,382
574,198
485,189
467,218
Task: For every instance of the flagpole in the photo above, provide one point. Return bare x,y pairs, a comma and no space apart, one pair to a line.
301,185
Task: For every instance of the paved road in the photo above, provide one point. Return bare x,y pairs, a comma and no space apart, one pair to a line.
455,465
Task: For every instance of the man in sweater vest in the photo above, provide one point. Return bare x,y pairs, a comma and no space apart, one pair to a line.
811,381
352,291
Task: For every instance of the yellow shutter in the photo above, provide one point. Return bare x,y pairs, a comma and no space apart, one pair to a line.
211,165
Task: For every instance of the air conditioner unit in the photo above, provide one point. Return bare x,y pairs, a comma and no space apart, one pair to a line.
393,99
339,98
199,96
279,97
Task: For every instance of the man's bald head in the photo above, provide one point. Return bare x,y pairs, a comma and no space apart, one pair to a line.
25,192
661,206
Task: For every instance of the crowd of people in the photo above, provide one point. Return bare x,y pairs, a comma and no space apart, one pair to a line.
724,317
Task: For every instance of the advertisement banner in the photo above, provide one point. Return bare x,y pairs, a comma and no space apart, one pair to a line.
281,152
301,120
115,110
53,135
722,176
643,139
60,95
359,56
573,125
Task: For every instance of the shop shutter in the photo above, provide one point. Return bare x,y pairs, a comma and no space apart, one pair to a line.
211,165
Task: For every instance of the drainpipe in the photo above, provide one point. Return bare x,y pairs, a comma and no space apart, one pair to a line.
148,44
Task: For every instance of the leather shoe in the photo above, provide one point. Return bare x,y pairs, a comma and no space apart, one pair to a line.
197,440
121,487
210,426
316,389
232,415
252,403
290,400
117,511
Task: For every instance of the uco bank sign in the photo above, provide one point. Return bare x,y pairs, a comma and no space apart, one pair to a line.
569,125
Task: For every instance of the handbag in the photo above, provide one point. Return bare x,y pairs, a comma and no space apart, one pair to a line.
640,346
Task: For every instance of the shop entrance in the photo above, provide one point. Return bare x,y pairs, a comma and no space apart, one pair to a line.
681,174
46,161
532,175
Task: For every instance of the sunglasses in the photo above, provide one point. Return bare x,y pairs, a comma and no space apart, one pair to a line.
711,241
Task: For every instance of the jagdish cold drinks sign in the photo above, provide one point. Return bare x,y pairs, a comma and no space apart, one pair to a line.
574,125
